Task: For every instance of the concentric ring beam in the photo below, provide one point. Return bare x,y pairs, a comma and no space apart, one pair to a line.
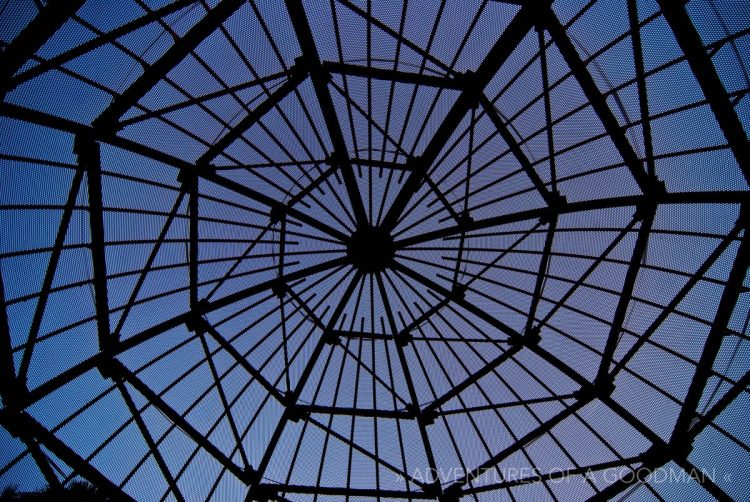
108,37
353,70
728,197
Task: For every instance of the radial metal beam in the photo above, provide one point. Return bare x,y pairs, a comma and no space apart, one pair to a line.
49,275
89,160
320,82
626,294
475,83
9,389
49,19
94,43
24,421
705,73
597,100
108,121
389,75
470,380
454,489
292,411
115,369
298,74
716,334
504,131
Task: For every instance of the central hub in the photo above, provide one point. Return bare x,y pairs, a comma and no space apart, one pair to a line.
370,249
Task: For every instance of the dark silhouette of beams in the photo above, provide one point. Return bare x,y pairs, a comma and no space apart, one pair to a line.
716,334
320,83
24,421
90,45
107,122
389,75
626,294
597,100
705,73
114,369
297,76
475,84
48,20
515,148
89,160
728,197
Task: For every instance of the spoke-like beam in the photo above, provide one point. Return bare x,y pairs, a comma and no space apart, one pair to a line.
723,403
106,38
472,379
49,19
705,73
298,74
22,421
108,121
390,75
114,369
454,489
474,86
49,276
89,160
9,389
149,439
320,82
716,334
271,203
515,148
598,101
626,294
291,411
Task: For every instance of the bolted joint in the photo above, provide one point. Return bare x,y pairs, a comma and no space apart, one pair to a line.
14,422
297,413
451,494
458,292
87,150
427,417
188,179
331,337
265,493
110,368
279,287
413,410
403,339
277,213
471,89
532,336
557,202
465,219
596,390
433,489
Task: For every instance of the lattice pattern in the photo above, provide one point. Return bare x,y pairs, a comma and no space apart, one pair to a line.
333,250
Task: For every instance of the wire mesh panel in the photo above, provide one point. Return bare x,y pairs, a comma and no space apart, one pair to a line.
355,250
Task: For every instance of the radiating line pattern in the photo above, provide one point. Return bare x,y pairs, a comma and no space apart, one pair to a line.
374,250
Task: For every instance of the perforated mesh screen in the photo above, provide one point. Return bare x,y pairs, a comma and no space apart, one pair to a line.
353,250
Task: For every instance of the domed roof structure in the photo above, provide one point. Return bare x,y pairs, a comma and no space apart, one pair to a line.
375,250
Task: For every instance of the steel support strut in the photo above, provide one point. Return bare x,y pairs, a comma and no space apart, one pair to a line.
705,73
320,82
474,87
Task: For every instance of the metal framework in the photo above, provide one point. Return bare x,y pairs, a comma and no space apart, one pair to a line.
339,255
